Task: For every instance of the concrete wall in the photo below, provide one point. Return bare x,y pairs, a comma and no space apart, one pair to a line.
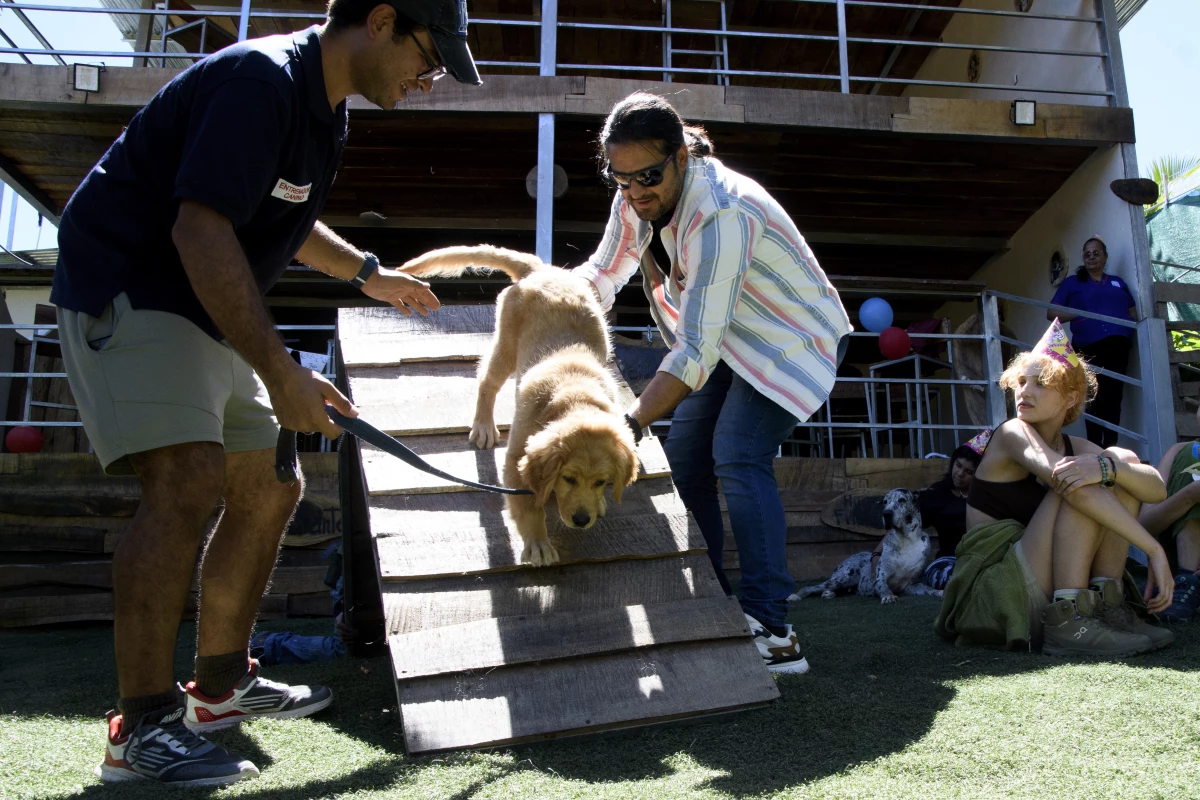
1083,207
1020,71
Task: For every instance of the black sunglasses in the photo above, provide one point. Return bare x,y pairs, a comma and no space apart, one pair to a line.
651,176
435,70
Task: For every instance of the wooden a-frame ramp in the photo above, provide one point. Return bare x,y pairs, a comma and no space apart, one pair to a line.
631,628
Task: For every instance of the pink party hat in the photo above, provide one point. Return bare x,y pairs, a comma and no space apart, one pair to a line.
980,442
1054,343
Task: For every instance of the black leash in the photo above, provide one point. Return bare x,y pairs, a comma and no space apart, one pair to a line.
286,470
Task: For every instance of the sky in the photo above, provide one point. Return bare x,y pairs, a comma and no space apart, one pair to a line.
1160,46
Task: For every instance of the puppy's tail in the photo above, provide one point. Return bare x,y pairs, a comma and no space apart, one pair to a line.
450,262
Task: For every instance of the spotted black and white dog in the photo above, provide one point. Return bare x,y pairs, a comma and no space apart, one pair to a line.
898,570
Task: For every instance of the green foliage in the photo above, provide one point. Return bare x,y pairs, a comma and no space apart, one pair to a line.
888,711
1167,169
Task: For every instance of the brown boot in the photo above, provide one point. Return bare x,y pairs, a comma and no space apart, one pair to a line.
1075,629
1117,613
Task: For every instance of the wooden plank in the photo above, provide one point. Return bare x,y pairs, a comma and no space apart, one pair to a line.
962,117
18,611
536,702
1183,325
467,510
1176,292
430,553
807,562
433,397
859,510
23,85
505,641
382,337
811,531
418,605
693,101
816,109
1187,425
402,348
452,453
1186,357
26,533
359,324
310,604
96,574
1189,389
499,93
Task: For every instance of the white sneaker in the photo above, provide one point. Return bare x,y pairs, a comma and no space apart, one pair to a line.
252,698
779,654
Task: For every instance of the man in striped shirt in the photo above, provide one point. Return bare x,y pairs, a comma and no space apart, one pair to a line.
755,330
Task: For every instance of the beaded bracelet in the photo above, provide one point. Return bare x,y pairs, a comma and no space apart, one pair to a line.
1103,471
1112,473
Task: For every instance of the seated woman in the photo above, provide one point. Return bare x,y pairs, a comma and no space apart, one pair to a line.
1179,517
944,508
1050,519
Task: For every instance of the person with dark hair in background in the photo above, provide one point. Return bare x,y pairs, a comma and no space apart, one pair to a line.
755,331
944,508
165,252
1103,344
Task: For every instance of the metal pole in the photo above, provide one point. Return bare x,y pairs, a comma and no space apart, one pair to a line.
244,21
545,159
993,360
1158,408
12,220
843,58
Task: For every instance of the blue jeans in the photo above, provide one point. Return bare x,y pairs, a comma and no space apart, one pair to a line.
728,430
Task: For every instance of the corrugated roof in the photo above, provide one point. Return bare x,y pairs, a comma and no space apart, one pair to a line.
1126,9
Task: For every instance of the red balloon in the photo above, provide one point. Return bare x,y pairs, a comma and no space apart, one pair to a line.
24,439
894,342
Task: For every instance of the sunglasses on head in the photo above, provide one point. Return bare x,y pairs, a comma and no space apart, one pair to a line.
651,176
435,70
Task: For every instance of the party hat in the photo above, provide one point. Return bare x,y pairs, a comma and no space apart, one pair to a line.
1054,343
980,442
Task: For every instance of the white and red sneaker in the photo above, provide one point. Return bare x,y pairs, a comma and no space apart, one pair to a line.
160,748
252,698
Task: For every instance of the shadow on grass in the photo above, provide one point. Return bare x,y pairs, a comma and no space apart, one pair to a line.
879,679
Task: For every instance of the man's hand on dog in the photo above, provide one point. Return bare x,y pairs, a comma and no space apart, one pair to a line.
298,397
404,292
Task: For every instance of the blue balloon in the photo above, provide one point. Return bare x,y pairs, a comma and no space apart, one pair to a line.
875,315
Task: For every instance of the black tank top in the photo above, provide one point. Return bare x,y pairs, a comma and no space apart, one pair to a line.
1016,500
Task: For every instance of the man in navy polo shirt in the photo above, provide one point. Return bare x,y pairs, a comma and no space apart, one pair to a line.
166,250
1104,344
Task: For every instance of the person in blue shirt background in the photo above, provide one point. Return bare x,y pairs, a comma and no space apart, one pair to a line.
1102,343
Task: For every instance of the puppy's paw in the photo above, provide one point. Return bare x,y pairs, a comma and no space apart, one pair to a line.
539,553
828,594
938,593
484,434
793,598
887,599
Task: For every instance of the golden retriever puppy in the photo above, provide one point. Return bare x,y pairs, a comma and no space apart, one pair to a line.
569,437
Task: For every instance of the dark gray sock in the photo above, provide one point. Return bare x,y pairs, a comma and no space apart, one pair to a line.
216,675
134,708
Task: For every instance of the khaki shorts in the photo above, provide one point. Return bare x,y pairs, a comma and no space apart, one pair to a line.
1035,595
148,379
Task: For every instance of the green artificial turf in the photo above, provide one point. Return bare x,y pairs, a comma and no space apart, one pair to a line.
888,711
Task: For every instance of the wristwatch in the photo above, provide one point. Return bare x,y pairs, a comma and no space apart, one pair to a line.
635,427
369,265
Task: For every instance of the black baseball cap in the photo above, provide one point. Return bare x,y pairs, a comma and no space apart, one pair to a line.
447,23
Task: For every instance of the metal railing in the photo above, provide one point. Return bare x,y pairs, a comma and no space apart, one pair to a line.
31,374
728,66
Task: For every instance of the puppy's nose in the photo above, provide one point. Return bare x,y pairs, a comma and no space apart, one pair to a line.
887,519
581,518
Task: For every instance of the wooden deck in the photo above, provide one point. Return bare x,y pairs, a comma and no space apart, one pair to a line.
630,628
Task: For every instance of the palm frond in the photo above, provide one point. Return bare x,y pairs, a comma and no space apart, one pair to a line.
1167,169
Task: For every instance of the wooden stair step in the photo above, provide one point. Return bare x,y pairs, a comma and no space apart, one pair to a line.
439,602
506,641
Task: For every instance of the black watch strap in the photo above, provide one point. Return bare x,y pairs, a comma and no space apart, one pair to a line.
370,264
635,427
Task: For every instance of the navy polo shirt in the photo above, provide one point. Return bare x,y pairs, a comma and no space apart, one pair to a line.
248,132
1109,296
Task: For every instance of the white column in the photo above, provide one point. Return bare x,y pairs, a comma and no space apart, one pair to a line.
545,157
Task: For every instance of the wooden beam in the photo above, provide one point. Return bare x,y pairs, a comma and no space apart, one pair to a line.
35,85
11,174
1176,292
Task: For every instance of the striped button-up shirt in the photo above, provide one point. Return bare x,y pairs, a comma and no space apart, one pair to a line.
743,287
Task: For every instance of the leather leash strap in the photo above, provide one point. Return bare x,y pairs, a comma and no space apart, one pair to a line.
286,470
